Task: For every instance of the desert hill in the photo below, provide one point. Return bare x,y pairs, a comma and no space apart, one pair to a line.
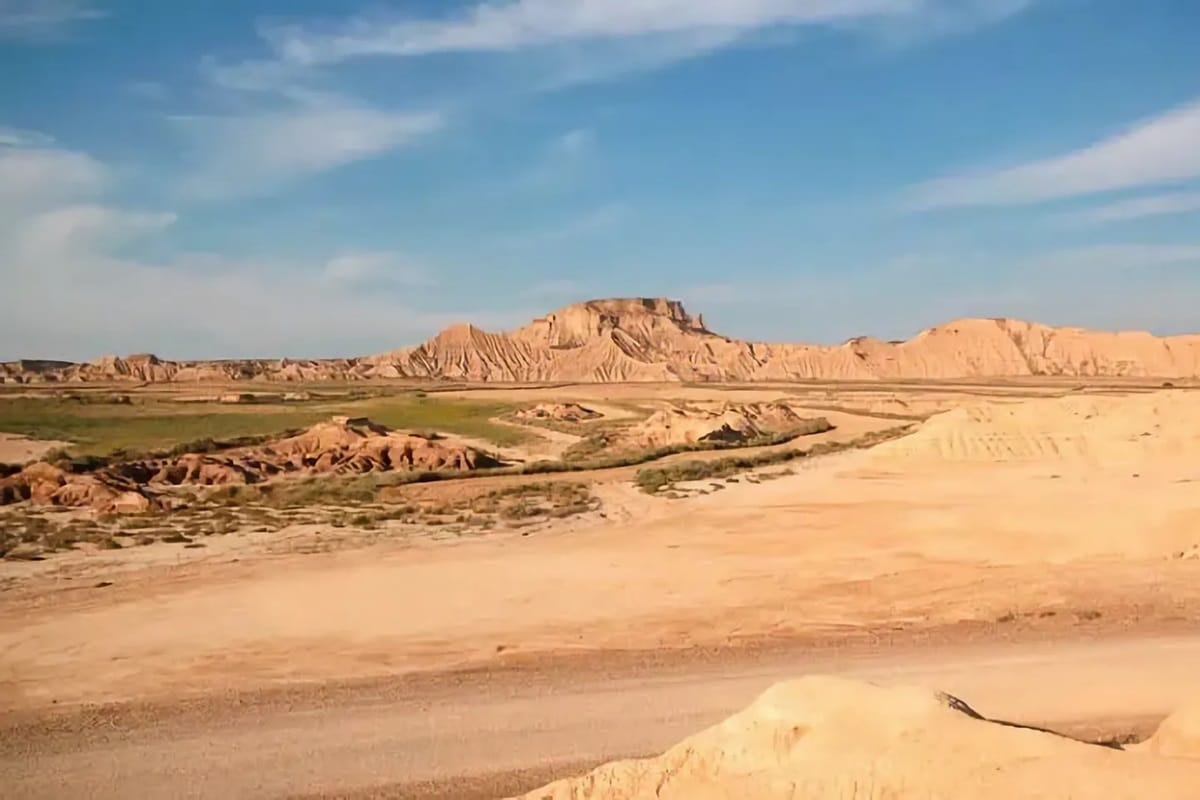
713,423
1139,432
340,446
824,737
644,339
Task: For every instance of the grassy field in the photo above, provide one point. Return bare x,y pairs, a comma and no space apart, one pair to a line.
99,427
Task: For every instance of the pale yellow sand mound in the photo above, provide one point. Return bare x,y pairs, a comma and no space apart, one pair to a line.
563,412
823,737
1101,430
731,423
1178,736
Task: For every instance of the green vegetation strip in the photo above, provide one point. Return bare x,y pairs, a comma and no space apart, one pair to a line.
654,479
609,439
133,429
364,488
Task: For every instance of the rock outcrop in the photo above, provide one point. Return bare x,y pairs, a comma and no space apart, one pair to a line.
717,423
643,339
823,738
558,412
107,493
342,446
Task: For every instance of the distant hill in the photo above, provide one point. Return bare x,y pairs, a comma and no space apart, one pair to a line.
655,339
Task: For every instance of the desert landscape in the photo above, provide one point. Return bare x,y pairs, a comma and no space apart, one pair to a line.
549,563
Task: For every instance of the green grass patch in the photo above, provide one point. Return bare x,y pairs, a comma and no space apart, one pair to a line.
155,425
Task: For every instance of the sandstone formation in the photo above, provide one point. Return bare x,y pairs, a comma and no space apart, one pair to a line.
725,423
642,339
560,412
341,446
46,484
823,738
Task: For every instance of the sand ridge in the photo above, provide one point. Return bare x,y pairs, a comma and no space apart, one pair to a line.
1105,431
826,737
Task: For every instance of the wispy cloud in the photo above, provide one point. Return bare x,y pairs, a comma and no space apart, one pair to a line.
592,41
560,161
676,29
1158,205
375,268
39,20
35,177
18,137
71,252
260,151
1157,151
83,228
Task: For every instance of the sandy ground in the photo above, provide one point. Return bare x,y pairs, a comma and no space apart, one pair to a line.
826,551
17,449
942,539
483,735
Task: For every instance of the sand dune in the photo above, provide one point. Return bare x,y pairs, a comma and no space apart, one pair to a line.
655,339
1105,431
824,737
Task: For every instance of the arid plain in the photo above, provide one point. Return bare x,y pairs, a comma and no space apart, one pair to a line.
463,588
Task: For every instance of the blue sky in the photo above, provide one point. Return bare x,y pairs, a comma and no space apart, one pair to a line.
261,177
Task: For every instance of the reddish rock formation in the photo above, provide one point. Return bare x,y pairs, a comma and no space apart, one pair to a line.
340,446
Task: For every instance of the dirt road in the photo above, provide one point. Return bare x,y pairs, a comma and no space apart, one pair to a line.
485,734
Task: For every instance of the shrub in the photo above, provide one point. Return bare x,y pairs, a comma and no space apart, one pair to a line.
652,480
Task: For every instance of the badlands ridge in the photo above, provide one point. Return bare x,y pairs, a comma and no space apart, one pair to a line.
654,339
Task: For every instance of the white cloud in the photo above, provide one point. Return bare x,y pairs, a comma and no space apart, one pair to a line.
75,229
18,137
575,143
202,306
1158,205
42,19
260,151
378,267
1161,150
509,26
561,161
74,289
35,177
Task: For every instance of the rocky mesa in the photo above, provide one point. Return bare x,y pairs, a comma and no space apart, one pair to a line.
655,339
